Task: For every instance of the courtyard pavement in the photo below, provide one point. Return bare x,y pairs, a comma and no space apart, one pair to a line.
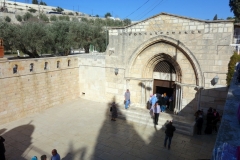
82,130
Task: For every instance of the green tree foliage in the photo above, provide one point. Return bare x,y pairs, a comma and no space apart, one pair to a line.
7,19
108,15
53,18
34,1
215,17
231,67
230,18
43,3
235,8
59,9
19,18
64,18
7,32
33,38
27,16
70,13
43,17
127,22
32,10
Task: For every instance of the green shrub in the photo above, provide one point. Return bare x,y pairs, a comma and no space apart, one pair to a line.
27,16
7,19
70,13
19,18
64,18
44,18
231,67
20,9
53,18
32,10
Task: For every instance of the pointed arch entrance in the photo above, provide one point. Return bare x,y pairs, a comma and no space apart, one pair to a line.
159,62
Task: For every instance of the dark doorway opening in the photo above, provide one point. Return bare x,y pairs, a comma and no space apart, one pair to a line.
161,90
160,87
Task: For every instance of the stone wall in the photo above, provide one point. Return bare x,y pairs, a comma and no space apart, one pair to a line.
27,89
92,77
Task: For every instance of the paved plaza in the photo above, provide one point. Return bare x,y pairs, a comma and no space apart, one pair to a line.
82,130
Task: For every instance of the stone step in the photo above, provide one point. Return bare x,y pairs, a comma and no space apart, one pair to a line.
142,116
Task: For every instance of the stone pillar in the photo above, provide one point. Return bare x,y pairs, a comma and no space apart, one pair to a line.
1,49
176,100
143,87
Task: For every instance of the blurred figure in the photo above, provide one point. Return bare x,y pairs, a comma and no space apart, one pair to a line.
169,134
43,157
154,99
156,111
55,155
34,158
114,111
127,99
199,124
2,148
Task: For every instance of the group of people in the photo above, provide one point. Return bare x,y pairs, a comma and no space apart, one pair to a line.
158,104
163,100
212,118
55,155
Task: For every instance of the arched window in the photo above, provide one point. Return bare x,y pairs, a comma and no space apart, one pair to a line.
31,67
46,66
69,63
15,69
58,64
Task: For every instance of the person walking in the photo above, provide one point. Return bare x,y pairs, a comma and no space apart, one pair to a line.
169,134
55,155
156,111
199,124
127,99
2,148
154,99
114,111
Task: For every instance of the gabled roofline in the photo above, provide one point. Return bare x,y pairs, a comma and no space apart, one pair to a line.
163,13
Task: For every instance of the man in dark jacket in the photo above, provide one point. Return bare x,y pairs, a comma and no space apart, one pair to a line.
169,134
2,148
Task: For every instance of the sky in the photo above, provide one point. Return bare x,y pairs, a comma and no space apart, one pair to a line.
137,10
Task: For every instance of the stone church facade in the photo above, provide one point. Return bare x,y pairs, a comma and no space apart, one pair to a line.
166,53
175,54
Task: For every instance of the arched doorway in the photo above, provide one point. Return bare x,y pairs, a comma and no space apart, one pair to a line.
160,64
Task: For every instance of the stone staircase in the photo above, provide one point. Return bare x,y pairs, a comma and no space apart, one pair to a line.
142,116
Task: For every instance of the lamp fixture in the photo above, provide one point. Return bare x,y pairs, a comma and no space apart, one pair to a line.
116,71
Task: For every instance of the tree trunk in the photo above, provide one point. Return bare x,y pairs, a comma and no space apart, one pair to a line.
86,47
33,54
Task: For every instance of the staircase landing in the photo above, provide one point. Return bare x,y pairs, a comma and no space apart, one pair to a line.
142,116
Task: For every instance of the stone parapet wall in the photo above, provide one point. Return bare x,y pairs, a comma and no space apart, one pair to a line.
26,92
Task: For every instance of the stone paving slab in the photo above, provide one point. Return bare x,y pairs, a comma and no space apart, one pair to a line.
83,130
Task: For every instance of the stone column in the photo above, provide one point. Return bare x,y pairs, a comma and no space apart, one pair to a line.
180,98
143,87
176,100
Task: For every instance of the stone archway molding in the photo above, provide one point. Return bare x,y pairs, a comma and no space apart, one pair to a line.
176,43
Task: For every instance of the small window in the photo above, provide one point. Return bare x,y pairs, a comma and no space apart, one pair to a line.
15,69
69,63
31,67
46,66
58,64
